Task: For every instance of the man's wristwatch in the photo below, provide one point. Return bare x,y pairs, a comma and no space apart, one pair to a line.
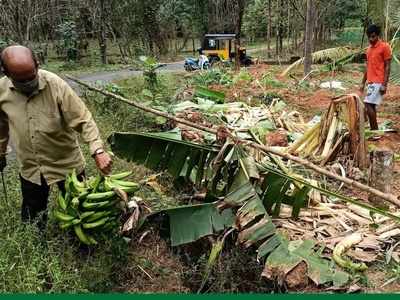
98,151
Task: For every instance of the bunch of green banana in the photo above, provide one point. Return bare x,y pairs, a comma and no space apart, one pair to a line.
94,206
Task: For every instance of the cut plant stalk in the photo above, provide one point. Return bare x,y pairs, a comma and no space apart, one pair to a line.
304,138
330,137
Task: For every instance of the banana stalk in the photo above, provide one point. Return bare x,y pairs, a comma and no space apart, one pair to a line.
297,144
330,137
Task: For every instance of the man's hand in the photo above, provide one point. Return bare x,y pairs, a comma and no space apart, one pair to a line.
3,163
383,89
361,90
103,162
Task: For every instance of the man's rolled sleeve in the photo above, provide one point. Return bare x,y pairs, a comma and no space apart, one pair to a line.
387,53
4,133
79,118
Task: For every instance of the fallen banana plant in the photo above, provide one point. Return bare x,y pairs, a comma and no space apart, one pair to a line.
338,54
250,191
351,183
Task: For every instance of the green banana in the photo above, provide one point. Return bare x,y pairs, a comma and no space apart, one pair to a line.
78,184
95,183
94,205
76,221
97,215
98,223
110,204
61,201
100,196
86,214
66,183
66,225
81,235
129,189
108,185
125,183
100,187
121,175
72,189
72,211
67,198
62,216
91,240
83,195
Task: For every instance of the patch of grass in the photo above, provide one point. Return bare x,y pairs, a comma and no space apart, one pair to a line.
269,81
213,76
114,115
243,76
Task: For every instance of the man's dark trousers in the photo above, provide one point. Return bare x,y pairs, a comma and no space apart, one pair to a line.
35,199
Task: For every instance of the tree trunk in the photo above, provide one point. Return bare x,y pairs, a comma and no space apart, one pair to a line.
238,26
381,175
269,34
289,29
102,32
386,37
308,38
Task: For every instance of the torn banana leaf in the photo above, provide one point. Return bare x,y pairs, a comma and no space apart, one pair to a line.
163,152
288,255
192,222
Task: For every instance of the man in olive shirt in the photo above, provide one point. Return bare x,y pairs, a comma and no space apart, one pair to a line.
42,115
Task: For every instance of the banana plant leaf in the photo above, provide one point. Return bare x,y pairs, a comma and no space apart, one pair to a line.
288,255
205,93
192,222
163,152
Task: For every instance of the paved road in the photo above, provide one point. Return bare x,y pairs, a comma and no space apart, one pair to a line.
109,76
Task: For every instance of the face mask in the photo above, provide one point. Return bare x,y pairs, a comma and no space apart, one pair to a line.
27,88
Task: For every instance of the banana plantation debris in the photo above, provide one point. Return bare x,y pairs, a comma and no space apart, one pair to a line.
246,183
270,150
244,195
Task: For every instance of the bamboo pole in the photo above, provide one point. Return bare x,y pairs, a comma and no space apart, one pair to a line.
349,182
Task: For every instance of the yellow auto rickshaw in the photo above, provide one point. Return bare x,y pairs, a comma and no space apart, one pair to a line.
221,46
